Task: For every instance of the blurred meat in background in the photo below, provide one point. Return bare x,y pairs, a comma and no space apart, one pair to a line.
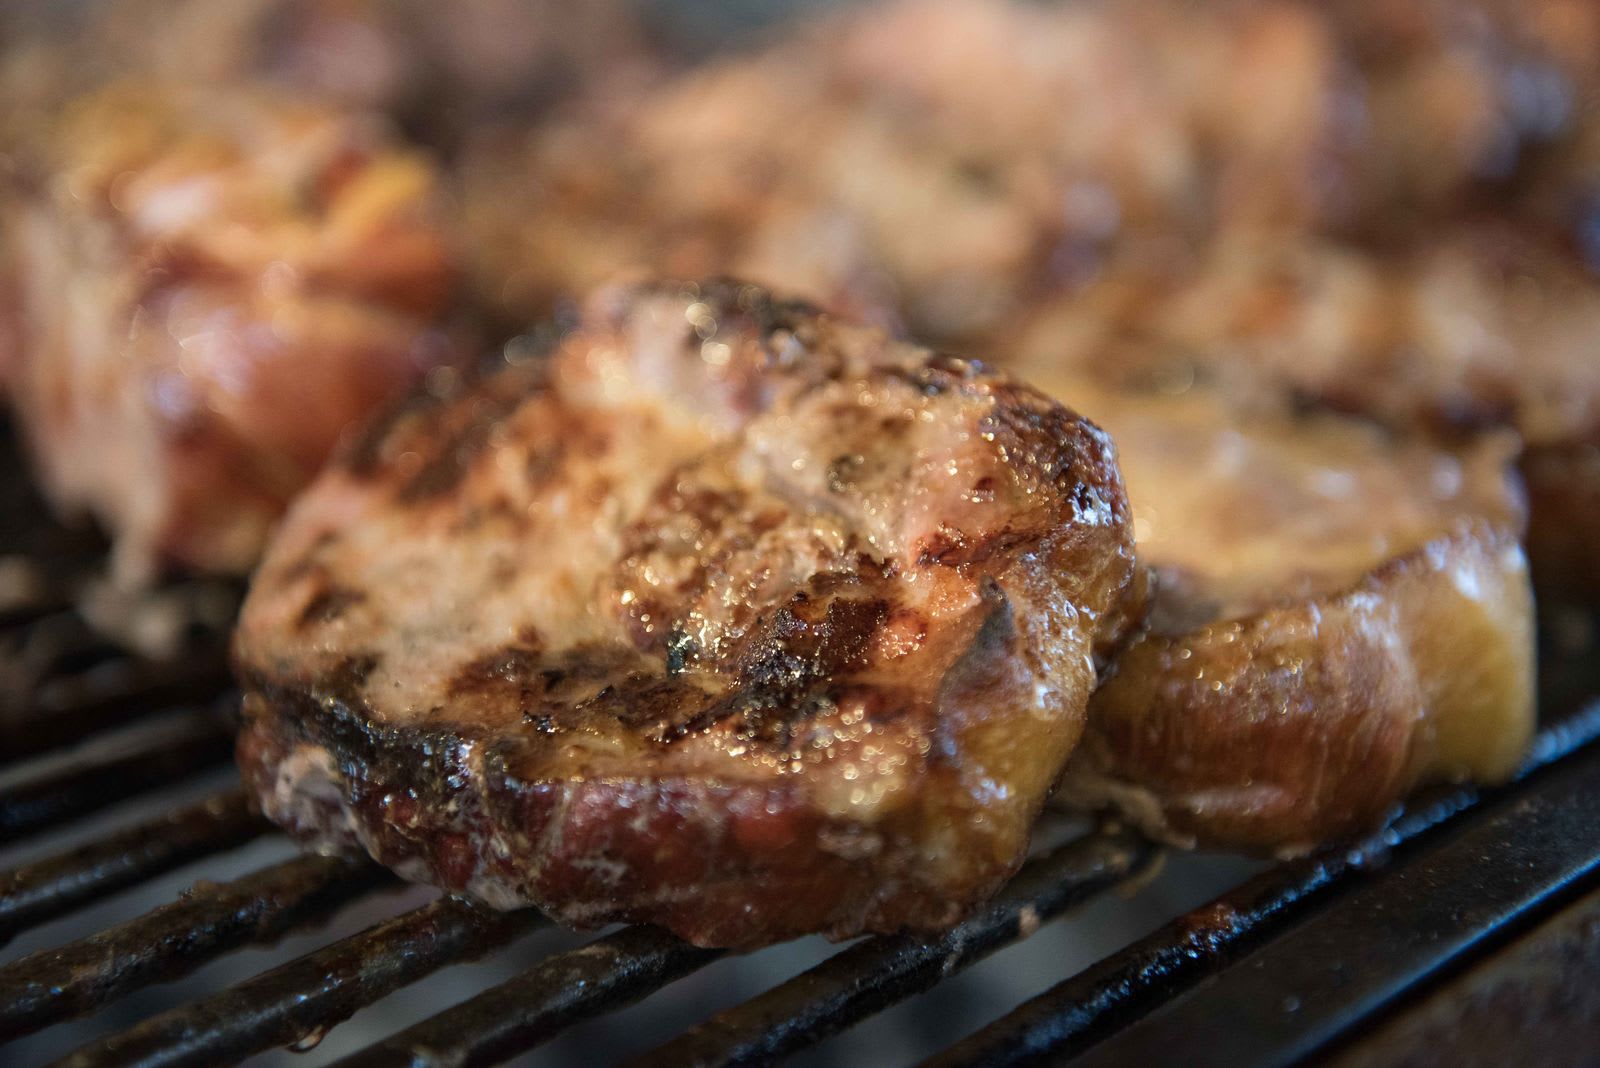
211,286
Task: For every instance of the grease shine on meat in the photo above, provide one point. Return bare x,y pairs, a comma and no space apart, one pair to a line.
729,616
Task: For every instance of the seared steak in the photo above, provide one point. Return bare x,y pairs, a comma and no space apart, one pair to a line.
727,616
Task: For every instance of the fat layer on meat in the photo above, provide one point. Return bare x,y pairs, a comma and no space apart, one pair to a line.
1338,616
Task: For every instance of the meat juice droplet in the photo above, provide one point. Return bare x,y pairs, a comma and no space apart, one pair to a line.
310,1040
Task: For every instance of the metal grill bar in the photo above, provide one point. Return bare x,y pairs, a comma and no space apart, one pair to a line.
92,781
24,610
58,645
300,1001
58,984
517,1015
1542,984
1071,1016
48,888
67,709
877,973
1298,993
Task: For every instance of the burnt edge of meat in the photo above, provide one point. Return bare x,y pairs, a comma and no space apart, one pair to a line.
417,798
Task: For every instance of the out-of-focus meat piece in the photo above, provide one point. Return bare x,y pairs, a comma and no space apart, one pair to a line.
729,617
1338,616
1480,329
1563,483
1490,100
213,286
867,163
949,162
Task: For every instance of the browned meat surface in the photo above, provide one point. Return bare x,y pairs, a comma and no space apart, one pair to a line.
729,617
1476,330
211,286
1338,616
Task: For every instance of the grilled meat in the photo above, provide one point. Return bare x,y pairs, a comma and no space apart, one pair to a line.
1338,616
211,287
1480,330
729,617
1257,189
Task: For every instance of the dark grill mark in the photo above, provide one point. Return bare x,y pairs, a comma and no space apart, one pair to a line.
946,546
514,671
329,604
366,455
443,471
309,563
800,645
466,430
845,471
544,464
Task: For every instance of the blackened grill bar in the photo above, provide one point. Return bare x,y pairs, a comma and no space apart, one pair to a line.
515,1016
1072,1016
45,889
299,1001
874,974
861,980
1519,855
57,984
91,781
109,696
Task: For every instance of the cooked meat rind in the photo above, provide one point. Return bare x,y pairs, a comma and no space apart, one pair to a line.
212,286
1338,616
729,617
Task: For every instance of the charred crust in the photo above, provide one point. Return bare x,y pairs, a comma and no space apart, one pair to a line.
804,641
328,604
701,741
515,669
366,454
441,472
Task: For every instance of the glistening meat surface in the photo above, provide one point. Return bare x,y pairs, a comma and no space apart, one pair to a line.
1339,615
727,616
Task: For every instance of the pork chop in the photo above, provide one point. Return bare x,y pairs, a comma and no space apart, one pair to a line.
728,616
210,287
1338,616
1483,329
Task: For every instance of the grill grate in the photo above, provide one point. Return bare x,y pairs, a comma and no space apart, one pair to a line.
1325,946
